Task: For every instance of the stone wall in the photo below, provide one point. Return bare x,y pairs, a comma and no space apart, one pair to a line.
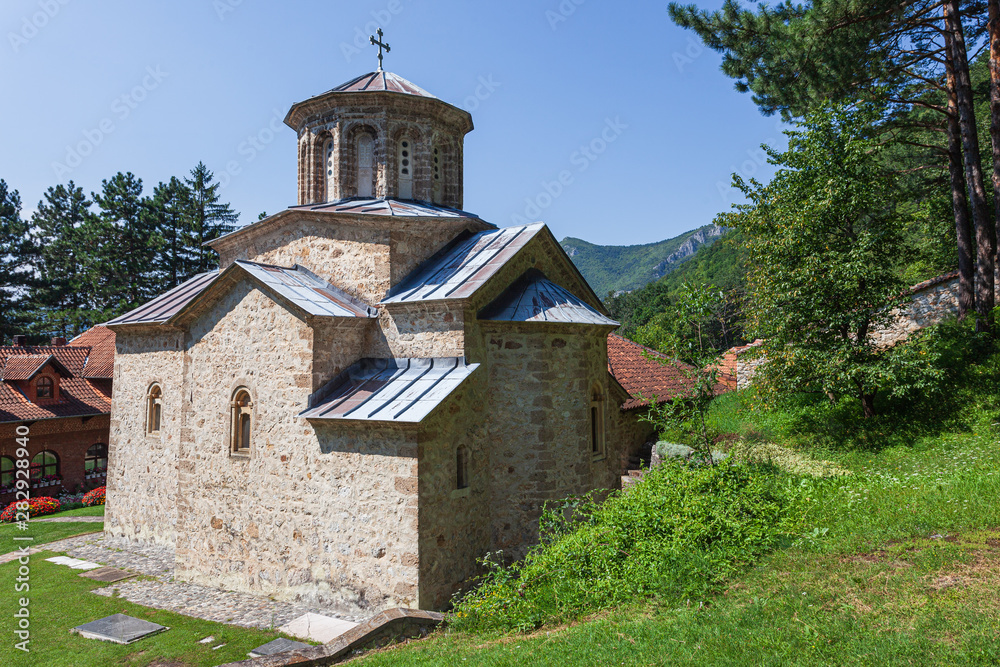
142,468
323,515
540,378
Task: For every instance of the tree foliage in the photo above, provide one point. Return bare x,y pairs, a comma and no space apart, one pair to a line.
822,239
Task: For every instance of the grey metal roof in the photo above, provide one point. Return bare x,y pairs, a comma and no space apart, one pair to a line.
381,81
163,307
388,207
535,298
458,270
308,291
391,390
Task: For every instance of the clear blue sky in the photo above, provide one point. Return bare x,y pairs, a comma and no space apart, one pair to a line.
92,88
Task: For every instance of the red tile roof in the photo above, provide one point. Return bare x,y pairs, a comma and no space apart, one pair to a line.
24,366
641,370
101,360
88,362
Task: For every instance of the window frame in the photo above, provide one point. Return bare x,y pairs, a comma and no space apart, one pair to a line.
404,172
365,175
437,175
598,423
88,458
240,442
329,170
45,466
154,410
50,386
10,471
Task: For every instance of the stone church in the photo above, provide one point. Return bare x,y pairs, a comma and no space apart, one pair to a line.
375,389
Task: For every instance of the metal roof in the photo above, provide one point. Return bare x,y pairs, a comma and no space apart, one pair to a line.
163,307
382,81
458,270
388,207
391,390
306,290
535,298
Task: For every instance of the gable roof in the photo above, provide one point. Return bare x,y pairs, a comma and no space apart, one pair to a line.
535,298
27,366
463,266
85,364
390,390
397,208
163,307
638,369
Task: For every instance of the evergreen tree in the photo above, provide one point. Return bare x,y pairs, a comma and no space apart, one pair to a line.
127,244
208,219
62,298
170,209
13,262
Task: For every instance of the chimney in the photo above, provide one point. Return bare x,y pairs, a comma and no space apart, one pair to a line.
20,341
58,341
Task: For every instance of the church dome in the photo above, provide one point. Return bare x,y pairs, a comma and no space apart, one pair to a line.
379,136
382,81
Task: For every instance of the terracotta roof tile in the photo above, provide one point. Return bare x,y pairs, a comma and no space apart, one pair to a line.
24,366
639,371
101,360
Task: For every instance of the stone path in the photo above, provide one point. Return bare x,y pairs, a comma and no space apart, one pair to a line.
162,592
72,519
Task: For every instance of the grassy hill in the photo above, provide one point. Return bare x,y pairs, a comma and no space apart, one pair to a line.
611,269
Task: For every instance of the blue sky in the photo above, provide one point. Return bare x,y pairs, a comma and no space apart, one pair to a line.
634,108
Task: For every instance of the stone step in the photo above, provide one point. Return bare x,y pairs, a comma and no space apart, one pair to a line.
636,473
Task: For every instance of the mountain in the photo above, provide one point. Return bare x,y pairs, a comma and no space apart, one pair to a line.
613,269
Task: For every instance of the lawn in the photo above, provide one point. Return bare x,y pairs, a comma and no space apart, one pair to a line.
60,599
43,532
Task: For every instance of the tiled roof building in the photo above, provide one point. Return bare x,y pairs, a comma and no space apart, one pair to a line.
60,393
376,389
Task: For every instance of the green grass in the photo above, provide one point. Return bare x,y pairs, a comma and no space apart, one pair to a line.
60,599
45,532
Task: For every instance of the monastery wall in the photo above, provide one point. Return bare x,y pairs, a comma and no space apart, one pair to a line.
325,515
142,468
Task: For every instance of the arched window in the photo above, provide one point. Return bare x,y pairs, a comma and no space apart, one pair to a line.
366,165
6,471
405,168
154,409
97,458
44,387
462,467
437,169
597,421
44,464
242,421
328,157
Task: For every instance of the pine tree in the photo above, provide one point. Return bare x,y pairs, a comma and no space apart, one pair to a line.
170,209
208,220
62,297
13,262
127,246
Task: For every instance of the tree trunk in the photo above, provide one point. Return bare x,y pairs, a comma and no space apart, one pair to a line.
985,241
867,405
959,198
994,34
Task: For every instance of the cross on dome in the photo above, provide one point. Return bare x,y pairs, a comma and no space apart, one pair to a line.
381,45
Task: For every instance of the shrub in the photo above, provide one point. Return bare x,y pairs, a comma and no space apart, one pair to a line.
36,507
95,497
679,533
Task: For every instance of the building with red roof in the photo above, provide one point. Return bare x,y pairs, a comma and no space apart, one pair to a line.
60,396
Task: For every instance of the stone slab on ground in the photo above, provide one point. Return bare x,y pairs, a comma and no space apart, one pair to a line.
279,645
317,627
118,628
107,574
74,563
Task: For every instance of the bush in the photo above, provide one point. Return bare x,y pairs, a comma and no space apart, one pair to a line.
678,534
95,497
36,507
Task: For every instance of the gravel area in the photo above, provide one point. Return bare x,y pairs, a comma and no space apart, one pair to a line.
188,599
